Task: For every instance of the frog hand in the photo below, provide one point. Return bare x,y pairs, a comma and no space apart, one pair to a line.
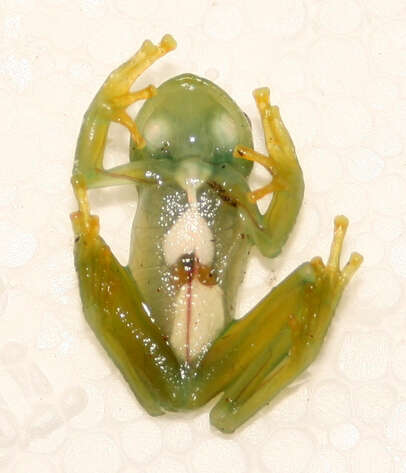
282,155
109,105
287,180
115,96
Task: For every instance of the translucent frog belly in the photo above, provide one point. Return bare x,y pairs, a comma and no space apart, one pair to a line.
198,318
198,310
190,234
188,267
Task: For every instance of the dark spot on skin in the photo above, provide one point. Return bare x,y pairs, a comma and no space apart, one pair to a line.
222,193
165,146
242,236
223,166
77,239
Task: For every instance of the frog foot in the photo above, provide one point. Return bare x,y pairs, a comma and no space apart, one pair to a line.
82,221
115,95
281,152
332,274
84,225
322,297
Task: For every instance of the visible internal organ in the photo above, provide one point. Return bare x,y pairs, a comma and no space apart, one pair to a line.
189,234
198,308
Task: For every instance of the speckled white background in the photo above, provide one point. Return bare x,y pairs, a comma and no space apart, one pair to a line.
337,68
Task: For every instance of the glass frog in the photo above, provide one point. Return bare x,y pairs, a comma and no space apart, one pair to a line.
166,319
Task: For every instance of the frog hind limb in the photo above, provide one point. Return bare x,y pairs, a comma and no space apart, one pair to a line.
302,323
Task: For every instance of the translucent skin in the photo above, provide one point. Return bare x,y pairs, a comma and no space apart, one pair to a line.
190,156
155,279
189,118
212,125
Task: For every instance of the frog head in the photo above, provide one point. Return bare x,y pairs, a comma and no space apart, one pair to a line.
192,118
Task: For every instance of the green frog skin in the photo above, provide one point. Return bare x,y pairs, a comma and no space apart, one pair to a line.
166,319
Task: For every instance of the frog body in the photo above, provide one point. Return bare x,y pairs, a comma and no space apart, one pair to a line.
166,319
194,229
165,253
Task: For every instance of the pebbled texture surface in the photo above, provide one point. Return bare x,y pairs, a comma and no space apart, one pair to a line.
337,69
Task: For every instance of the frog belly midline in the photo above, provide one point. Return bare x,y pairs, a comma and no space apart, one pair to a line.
198,318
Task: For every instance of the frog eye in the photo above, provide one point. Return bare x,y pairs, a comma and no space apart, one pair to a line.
224,130
156,134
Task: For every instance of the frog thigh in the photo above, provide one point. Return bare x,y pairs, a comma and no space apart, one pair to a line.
118,316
